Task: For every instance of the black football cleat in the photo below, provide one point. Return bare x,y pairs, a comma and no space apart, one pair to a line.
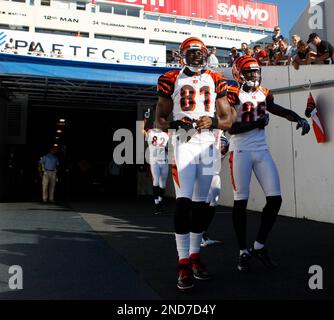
158,208
263,256
198,268
184,281
243,262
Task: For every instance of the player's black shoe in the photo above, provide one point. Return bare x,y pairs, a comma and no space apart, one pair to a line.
184,281
198,268
264,257
158,208
243,262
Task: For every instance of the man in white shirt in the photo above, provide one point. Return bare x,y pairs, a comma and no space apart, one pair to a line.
284,54
213,61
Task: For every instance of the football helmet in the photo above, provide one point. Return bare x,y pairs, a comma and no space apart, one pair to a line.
194,54
247,71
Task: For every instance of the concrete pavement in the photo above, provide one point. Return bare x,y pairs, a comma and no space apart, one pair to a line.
118,249
62,257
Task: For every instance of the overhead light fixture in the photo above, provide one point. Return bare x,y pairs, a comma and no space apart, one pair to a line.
57,138
59,131
62,120
55,145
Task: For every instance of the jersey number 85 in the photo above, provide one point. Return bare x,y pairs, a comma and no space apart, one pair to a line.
248,111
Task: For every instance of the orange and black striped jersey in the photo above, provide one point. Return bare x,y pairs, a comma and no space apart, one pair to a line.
233,95
249,107
269,95
233,92
193,96
166,83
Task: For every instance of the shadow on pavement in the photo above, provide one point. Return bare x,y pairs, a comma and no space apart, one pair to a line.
147,243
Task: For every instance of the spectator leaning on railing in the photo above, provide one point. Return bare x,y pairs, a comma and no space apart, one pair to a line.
303,55
324,50
294,42
260,55
249,52
275,46
234,55
285,53
270,54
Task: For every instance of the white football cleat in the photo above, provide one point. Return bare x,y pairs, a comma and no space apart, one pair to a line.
208,242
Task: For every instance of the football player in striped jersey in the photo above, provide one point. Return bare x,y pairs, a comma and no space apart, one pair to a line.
249,152
157,141
193,96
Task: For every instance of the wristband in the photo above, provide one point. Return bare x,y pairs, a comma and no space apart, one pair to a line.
215,123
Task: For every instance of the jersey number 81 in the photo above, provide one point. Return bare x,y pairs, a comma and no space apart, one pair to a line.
188,98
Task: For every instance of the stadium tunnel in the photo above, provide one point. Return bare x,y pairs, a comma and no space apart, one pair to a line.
78,106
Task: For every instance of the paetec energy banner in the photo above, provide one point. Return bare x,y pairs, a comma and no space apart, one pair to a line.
86,49
245,12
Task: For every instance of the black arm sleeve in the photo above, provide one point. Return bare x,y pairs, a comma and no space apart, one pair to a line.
240,127
278,110
283,112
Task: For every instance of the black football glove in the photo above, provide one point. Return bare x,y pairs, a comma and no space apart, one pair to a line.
302,123
186,124
263,121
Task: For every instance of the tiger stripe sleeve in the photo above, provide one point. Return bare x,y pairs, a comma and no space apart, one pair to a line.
233,95
269,95
166,83
220,84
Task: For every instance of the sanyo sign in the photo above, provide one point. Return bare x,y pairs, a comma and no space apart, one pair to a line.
242,12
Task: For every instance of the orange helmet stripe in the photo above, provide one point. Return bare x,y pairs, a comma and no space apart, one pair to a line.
248,61
192,39
186,44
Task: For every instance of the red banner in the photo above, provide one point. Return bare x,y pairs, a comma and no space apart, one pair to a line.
235,11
